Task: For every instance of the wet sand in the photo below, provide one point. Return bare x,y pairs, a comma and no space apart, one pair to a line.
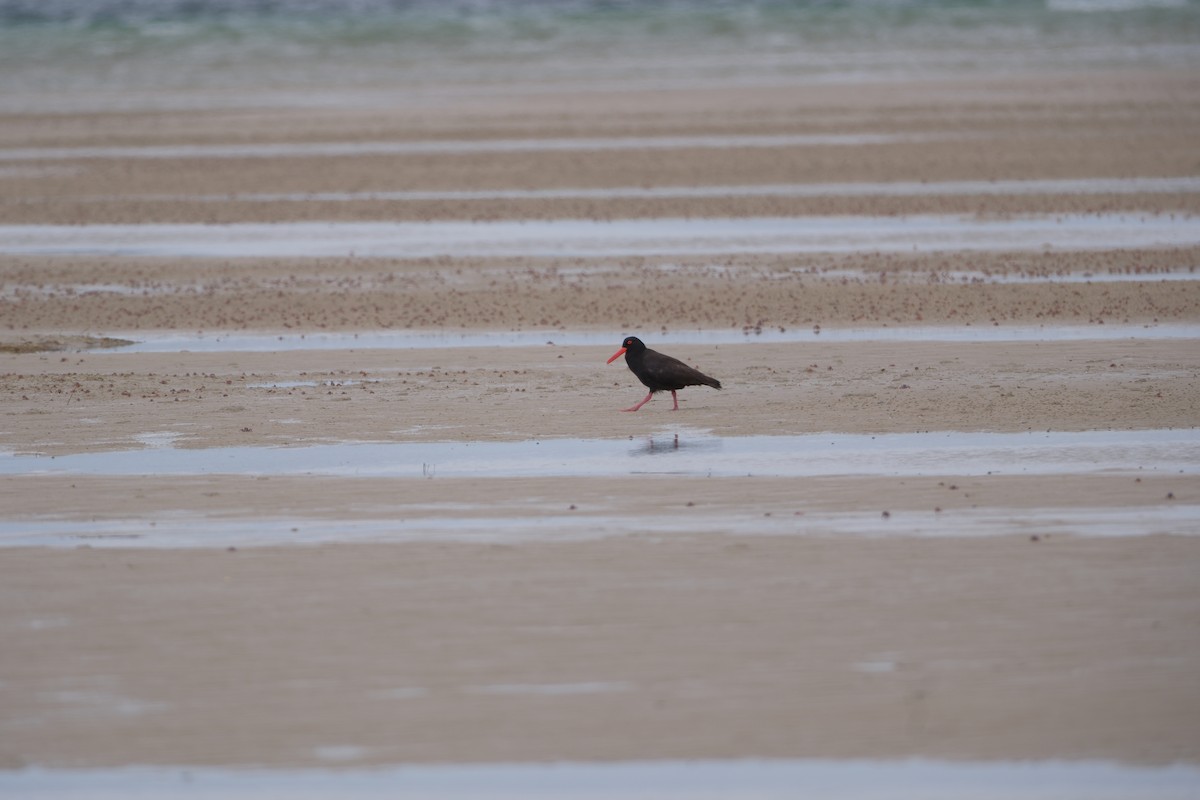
632,648
638,645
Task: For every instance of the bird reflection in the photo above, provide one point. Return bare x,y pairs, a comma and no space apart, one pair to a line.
658,445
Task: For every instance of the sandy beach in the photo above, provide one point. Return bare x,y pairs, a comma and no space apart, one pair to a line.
617,633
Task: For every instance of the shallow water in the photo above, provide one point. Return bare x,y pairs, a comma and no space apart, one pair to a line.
623,237
649,780
464,146
173,342
683,452
859,189
482,524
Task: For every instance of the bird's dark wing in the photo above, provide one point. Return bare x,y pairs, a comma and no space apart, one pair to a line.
666,372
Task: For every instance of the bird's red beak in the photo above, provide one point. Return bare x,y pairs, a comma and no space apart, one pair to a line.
615,356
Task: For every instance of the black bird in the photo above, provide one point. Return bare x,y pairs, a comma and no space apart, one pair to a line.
659,372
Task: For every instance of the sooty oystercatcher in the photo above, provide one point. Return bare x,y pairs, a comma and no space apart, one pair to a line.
659,372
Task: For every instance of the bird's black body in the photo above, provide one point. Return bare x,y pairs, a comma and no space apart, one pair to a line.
660,372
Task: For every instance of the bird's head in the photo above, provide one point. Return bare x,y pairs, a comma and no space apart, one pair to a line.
632,344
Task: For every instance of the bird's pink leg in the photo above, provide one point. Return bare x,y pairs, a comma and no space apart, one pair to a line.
639,405
676,399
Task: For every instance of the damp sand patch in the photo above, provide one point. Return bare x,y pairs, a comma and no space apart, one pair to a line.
53,344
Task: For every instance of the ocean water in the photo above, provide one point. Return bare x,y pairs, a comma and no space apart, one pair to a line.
60,52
